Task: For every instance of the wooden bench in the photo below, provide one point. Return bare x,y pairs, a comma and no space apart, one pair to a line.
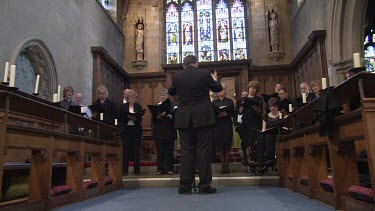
302,153
37,126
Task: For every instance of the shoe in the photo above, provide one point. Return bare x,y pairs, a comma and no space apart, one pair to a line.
184,191
170,172
159,173
207,190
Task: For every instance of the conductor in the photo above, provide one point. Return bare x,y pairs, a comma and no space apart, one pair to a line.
193,118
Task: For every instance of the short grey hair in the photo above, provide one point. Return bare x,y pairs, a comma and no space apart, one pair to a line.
102,89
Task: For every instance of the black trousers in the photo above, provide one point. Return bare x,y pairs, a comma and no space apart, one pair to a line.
195,144
164,157
131,144
266,145
242,132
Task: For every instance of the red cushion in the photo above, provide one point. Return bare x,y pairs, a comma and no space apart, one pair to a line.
304,180
327,185
60,190
89,184
361,193
108,180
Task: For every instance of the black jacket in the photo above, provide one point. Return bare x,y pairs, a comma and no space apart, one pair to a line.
192,87
124,119
110,111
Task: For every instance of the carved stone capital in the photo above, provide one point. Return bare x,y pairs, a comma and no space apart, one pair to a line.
139,64
276,55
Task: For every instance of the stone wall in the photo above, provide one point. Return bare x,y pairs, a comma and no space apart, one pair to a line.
312,15
68,28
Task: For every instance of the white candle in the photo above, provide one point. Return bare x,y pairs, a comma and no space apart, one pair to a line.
101,116
123,101
290,108
12,75
280,115
82,109
303,97
6,72
58,92
116,122
54,98
37,84
324,83
356,60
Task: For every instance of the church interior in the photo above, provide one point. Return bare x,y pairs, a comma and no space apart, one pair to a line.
57,153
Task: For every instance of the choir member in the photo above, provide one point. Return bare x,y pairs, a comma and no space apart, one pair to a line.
315,87
164,134
251,109
67,95
105,106
284,100
130,129
223,134
240,129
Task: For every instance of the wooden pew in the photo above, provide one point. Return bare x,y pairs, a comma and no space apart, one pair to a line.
302,154
36,125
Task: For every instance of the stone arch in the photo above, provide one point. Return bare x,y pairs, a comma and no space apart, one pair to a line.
345,36
42,61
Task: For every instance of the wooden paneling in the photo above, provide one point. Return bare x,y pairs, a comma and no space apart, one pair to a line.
108,73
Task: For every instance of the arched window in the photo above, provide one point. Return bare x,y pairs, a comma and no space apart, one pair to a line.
213,30
370,50
369,42
110,6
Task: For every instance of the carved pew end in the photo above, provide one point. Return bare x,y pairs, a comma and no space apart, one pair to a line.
89,185
304,180
327,185
60,190
361,193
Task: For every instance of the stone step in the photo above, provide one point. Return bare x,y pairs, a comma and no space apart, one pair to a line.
238,177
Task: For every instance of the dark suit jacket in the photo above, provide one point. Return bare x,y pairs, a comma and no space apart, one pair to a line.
123,117
192,88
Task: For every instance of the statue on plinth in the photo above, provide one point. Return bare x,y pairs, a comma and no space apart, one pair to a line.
274,32
139,35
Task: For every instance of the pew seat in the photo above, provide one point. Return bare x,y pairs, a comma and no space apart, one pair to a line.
108,180
60,190
361,193
327,185
90,185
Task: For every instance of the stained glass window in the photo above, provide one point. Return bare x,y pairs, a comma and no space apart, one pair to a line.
172,35
213,30
369,45
205,36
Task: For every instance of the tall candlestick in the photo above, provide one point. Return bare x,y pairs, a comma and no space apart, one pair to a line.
356,60
12,75
37,84
303,97
55,98
101,116
290,108
58,92
324,83
116,122
6,72
280,115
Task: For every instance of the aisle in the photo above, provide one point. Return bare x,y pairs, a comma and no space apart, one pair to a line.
227,198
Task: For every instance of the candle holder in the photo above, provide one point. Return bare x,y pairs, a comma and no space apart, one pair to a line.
35,94
5,83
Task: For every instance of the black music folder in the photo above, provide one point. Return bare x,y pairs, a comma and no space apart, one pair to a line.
75,109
